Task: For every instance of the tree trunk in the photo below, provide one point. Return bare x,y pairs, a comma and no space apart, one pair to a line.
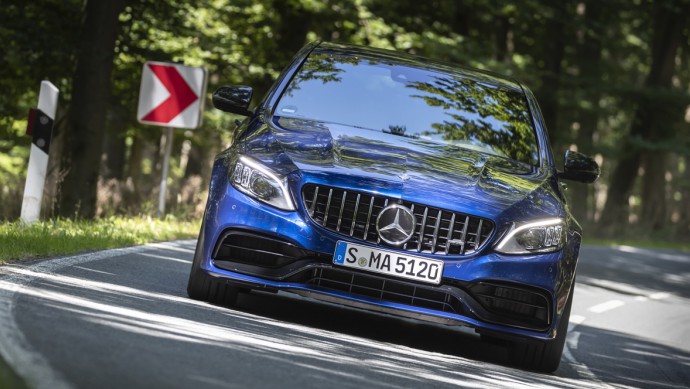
114,147
134,163
462,18
87,111
590,67
654,199
651,122
668,112
683,229
554,50
194,162
501,31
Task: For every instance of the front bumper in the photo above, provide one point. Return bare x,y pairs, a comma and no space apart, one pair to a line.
260,247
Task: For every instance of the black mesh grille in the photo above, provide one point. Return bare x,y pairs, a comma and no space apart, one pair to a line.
354,214
513,304
386,289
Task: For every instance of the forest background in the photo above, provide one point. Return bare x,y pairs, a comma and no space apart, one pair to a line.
612,78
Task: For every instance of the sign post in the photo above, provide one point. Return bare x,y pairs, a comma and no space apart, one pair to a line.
40,128
164,173
171,95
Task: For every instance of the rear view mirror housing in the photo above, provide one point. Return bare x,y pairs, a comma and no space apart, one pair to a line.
233,99
579,167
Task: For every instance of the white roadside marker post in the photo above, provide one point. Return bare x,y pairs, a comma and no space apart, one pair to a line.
40,127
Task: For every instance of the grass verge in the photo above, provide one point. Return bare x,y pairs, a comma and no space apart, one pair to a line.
62,236
8,378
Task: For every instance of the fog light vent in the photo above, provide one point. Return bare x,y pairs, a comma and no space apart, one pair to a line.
513,305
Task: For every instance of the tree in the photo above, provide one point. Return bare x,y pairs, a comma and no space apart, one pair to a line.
589,62
554,51
88,108
651,120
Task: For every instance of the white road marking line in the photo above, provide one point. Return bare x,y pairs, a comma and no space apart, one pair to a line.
575,320
641,298
607,306
573,340
659,296
583,371
571,343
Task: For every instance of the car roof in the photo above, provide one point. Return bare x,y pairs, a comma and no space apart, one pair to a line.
405,59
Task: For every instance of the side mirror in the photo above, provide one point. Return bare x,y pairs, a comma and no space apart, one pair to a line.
579,167
233,99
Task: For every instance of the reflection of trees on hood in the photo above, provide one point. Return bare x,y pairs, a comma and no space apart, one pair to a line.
472,107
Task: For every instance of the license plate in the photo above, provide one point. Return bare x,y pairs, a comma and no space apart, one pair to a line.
388,262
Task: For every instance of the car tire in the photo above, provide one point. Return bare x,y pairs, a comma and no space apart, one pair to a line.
204,287
544,356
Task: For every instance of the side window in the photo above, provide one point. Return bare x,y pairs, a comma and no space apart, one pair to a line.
540,127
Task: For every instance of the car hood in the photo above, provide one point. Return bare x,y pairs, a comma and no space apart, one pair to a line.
419,171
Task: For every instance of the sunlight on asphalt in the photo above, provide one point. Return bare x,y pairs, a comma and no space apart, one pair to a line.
331,352
656,254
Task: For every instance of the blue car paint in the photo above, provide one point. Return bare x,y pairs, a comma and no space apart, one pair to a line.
485,188
233,209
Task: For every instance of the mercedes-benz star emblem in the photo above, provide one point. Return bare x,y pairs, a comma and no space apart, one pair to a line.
396,224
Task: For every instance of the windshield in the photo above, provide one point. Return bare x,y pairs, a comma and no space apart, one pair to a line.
378,95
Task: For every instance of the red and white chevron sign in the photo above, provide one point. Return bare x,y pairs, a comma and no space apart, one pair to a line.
171,95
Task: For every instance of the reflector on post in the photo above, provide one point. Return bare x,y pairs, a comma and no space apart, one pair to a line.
40,128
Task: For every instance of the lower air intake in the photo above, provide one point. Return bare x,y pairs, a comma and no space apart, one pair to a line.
385,289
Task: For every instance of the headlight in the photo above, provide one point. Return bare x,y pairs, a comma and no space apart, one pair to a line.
543,236
258,181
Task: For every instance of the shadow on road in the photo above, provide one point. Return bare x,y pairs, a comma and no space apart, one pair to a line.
653,270
627,361
127,322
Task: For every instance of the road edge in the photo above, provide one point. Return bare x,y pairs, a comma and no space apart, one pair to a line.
27,364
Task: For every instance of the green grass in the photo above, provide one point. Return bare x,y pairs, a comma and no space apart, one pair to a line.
63,237
8,378
649,244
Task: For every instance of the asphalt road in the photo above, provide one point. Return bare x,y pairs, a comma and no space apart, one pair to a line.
121,318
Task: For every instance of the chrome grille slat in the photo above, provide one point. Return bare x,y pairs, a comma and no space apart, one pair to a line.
439,231
478,237
328,206
421,229
435,237
464,233
378,238
412,210
354,215
371,208
342,207
313,202
451,226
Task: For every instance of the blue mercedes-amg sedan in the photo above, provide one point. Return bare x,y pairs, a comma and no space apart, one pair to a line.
397,184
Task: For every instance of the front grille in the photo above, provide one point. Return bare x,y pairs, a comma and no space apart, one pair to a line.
354,214
385,289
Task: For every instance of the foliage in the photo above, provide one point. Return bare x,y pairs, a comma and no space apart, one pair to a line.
585,60
63,236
